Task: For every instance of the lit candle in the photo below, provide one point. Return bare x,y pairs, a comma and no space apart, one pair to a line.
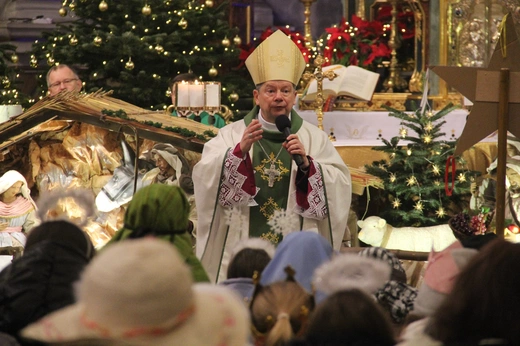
213,95
183,94
196,94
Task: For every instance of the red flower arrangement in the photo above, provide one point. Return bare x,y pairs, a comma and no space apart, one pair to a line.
297,38
359,43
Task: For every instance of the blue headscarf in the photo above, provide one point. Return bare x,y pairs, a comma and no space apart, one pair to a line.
304,251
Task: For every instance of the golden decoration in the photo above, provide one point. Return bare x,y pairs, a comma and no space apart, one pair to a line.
129,65
97,41
392,177
183,23
428,126
427,139
403,132
233,97
146,10
418,206
409,152
213,72
62,11
436,170
461,177
429,114
437,183
103,6
73,41
396,203
271,237
159,49
209,3
269,208
440,213
14,58
237,40
411,181
226,42
50,61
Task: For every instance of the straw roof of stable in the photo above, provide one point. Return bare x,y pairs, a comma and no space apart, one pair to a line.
100,109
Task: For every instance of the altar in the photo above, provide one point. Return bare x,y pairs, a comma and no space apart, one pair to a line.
356,133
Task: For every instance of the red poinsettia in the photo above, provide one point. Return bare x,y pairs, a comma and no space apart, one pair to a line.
359,43
296,37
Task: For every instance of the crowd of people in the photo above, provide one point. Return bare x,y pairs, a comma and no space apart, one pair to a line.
243,284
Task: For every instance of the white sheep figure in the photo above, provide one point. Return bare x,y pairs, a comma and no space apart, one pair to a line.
423,239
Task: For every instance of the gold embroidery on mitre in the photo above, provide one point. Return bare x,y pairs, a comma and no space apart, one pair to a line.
269,208
279,58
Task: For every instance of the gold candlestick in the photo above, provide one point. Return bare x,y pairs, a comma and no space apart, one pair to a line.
319,75
309,42
394,82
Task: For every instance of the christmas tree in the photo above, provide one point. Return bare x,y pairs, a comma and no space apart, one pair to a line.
414,189
136,47
9,93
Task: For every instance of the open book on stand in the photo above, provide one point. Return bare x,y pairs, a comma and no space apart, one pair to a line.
351,81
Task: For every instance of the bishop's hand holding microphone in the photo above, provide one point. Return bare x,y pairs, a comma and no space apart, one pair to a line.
283,124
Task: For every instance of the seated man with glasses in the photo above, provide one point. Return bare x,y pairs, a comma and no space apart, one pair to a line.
62,77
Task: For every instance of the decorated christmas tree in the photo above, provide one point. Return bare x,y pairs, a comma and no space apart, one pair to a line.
136,47
414,191
9,83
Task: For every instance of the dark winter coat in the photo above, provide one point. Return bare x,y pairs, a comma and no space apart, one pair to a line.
39,282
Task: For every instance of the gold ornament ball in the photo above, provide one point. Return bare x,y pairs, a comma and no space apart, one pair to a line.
226,42
14,58
129,65
213,72
233,97
72,6
159,49
183,23
209,3
146,10
97,41
73,41
237,40
103,6
62,11
50,61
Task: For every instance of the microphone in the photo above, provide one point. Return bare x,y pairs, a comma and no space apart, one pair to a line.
283,124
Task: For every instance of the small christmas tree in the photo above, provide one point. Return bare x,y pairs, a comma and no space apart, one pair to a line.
136,47
9,93
414,188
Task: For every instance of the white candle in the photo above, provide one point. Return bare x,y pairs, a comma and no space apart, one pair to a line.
183,95
196,94
213,95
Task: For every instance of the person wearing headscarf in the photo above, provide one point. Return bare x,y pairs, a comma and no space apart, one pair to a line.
41,280
17,209
161,211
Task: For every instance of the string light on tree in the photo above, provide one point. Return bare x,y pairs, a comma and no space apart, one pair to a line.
146,10
393,177
50,61
33,62
209,3
14,58
159,49
6,82
396,203
427,139
419,206
403,132
103,6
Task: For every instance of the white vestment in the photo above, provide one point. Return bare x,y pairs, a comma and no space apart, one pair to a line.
215,242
